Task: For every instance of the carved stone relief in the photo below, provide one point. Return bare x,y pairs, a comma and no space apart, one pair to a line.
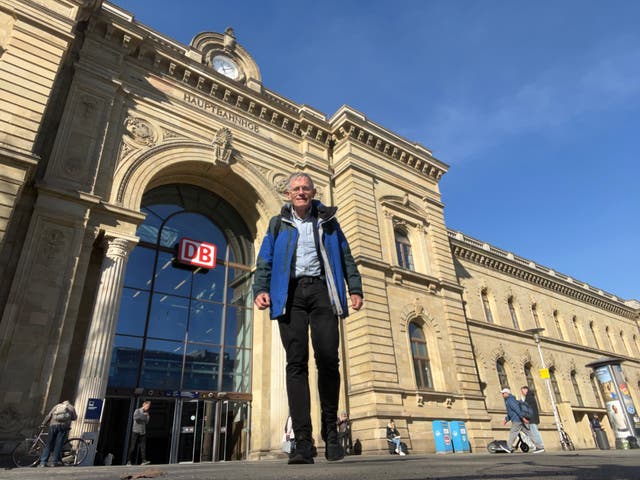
52,247
222,146
141,132
6,29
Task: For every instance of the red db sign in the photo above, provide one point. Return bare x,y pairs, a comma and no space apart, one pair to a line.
197,253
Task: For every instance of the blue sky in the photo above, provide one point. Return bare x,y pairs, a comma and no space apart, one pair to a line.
533,105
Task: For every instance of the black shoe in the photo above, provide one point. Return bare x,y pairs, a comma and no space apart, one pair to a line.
333,451
302,454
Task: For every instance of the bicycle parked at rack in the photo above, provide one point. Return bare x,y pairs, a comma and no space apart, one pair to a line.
27,452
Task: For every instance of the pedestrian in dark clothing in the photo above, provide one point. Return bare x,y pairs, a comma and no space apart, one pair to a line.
515,415
59,420
139,434
301,271
529,397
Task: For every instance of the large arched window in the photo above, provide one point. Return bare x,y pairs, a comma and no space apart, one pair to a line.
534,313
486,306
556,320
185,328
403,249
596,390
512,312
554,385
576,328
576,388
502,373
420,353
607,330
592,328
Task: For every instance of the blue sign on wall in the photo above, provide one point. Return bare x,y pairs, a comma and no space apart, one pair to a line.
94,410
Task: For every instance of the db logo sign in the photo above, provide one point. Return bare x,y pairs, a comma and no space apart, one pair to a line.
201,254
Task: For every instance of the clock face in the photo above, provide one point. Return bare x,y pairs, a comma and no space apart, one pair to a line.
225,66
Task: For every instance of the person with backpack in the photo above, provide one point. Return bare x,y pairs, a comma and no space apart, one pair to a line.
519,421
301,271
59,420
529,399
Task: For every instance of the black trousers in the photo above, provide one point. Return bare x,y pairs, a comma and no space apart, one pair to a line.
309,309
137,439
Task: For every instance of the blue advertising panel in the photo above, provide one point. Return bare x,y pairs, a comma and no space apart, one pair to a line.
94,410
459,437
442,436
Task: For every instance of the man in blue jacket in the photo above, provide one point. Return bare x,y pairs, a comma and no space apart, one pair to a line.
301,271
516,416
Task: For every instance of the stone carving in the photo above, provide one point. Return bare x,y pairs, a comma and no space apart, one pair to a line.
141,131
52,247
222,146
11,420
280,183
6,29
118,247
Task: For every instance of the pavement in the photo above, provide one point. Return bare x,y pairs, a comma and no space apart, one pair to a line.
577,465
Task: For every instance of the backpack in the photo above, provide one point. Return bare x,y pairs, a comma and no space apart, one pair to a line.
61,413
526,409
357,447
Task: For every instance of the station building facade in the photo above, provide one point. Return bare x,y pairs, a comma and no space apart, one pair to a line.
130,164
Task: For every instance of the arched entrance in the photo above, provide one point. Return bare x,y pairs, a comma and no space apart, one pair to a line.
183,338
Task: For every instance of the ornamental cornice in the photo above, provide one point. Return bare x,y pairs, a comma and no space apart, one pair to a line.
350,125
505,262
179,64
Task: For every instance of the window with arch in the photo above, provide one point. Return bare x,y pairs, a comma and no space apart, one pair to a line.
635,343
486,306
554,385
181,327
623,340
502,373
576,328
592,328
420,353
403,249
534,313
556,321
512,312
576,388
529,377
607,330
596,389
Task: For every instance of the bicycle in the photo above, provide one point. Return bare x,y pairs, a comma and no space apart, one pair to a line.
565,441
27,452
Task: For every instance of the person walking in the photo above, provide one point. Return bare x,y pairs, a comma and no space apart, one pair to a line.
529,397
301,270
518,421
344,432
139,434
59,420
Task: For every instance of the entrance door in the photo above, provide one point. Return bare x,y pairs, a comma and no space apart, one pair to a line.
233,438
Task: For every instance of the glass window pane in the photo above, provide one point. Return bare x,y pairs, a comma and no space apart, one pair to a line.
209,285
140,268
171,279
239,287
162,365
168,317
125,360
236,370
205,322
238,327
197,227
133,312
201,367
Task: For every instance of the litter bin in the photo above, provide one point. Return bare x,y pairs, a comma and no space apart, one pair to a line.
459,437
442,436
601,439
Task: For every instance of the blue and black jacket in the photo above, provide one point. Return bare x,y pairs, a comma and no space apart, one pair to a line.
277,255
514,412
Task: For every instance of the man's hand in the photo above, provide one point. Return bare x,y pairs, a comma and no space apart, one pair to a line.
525,420
262,301
356,301
504,422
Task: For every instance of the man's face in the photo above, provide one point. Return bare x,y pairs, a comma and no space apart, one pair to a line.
524,391
301,193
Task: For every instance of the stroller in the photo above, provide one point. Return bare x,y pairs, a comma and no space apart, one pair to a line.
522,442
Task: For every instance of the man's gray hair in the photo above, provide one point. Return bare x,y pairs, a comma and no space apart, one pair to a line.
295,175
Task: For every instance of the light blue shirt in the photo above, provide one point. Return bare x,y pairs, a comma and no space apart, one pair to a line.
307,262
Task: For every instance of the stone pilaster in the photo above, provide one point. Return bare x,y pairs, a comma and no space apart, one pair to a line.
94,376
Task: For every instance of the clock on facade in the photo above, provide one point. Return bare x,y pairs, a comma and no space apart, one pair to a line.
224,65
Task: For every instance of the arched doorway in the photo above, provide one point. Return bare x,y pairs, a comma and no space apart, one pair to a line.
183,338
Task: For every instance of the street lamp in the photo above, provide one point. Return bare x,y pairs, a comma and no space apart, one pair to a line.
535,332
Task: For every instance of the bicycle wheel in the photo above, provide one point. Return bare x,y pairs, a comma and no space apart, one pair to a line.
74,451
27,452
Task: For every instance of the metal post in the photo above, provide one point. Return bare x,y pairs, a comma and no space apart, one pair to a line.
536,337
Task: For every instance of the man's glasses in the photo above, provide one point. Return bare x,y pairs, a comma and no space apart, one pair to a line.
301,188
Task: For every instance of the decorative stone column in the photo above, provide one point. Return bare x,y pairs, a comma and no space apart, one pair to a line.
94,373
